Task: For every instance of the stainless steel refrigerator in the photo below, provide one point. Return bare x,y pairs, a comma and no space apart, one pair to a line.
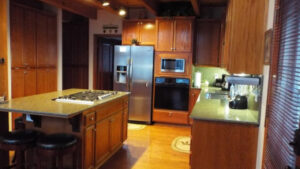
133,72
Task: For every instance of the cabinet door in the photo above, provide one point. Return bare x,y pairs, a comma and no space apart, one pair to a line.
164,35
17,83
208,41
52,41
16,32
29,46
247,36
29,82
102,141
183,33
46,80
89,148
42,40
116,131
125,122
130,31
147,33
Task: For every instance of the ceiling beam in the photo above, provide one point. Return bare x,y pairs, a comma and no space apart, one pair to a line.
196,7
151,5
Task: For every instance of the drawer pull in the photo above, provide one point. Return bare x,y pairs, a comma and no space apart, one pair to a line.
92,118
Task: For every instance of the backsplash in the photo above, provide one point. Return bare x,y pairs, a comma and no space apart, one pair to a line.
208,73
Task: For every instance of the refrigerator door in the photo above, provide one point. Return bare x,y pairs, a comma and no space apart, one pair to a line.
122,68
140,105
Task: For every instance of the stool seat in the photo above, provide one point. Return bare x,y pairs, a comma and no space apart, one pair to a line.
19,137
57,141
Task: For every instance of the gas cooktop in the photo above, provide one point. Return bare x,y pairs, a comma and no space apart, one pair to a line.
87,97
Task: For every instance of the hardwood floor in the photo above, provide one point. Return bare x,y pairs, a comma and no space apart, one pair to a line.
150,148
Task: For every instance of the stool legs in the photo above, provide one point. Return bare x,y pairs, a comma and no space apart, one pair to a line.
60,162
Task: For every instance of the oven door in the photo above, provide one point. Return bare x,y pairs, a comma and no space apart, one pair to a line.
172,93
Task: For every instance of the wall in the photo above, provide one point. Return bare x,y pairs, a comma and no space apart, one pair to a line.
208,73
96,28
266,71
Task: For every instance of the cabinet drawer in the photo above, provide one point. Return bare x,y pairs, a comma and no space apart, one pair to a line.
89,118
177,117
108,109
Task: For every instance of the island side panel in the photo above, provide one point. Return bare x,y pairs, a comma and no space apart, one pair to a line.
223,145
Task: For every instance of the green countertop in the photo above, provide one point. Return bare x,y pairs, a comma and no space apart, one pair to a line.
218,110
43,105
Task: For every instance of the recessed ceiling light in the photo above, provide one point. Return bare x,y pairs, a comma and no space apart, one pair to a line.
122,12
105,3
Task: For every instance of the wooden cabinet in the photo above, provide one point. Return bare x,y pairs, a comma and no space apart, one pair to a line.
141,30
23,37
116,131
89,143
194,94
102,147
125,120
46,41
23,82
170,116
174,34
223,145
166,55
46,80
207,47
34,50
244,36
104,132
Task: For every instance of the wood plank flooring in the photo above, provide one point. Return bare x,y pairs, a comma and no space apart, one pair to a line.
150,148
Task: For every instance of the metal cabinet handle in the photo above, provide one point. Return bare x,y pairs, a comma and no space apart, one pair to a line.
92,119
25,72
170,114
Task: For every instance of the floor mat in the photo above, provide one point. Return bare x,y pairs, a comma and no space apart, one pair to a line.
182,144
135,126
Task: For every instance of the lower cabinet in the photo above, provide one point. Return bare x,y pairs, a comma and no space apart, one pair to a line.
105,131
224,145
102,140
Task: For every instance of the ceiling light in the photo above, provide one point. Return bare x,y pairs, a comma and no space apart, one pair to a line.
122,12
105,3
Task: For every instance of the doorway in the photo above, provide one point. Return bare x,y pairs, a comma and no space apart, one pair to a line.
104,61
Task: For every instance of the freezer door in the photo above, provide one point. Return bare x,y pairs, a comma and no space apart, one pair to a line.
140,105
122,68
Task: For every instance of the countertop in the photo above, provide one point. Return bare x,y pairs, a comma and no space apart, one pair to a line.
218,110
43,105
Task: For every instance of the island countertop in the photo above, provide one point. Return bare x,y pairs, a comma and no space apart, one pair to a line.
218,110
43,104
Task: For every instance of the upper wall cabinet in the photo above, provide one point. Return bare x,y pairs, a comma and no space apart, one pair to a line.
141,30
244,36
33,38
207,47
174,34
23,36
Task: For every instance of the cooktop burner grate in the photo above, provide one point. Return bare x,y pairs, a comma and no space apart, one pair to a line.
86,97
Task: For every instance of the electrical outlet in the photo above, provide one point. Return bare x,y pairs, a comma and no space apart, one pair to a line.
2,60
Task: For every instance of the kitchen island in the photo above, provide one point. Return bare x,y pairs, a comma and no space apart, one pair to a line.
101,127
223,137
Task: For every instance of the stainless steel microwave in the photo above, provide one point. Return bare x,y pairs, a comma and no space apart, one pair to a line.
172,65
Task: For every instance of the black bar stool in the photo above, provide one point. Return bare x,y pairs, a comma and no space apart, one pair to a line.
56,146
19,141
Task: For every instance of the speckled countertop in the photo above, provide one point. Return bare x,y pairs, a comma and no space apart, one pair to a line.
218,110
43,105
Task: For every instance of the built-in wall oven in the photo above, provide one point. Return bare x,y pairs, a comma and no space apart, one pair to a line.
172,93
172,65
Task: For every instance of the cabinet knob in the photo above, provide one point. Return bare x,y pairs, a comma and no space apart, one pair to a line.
25,72
92,119
170,114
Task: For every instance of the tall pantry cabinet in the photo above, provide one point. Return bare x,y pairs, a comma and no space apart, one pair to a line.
33,51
